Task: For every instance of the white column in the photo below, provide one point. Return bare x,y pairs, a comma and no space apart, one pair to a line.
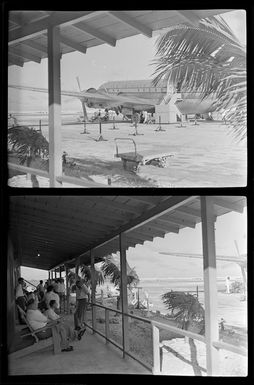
54,91
124,294
210,284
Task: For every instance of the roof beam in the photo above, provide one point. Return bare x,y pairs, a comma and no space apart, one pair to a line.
39,27
178,221
232,206
14,59
73,44
143,234
159,226
95,33
35,45
153,232
131,21
146,200
114,204
19,52
189,211
164,207
53,215
190,17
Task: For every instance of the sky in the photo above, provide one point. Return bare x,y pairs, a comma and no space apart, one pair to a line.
130,59
149,264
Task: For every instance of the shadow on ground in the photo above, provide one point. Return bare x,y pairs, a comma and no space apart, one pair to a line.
86,168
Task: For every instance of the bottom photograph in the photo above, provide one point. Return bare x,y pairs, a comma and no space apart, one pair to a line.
152,285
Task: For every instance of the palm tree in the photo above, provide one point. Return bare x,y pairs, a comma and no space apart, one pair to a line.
111,269
190,313
208,59
30,146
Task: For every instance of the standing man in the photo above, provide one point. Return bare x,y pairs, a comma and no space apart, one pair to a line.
20,297
82,298
228,283
61,293
41,290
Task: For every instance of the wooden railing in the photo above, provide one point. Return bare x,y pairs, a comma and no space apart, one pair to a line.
156,327
61,179
107,333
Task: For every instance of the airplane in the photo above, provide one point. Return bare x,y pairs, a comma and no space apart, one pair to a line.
93,98
241,260
132,95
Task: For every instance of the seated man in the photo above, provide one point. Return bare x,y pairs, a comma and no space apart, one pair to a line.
50,294
37,320
71,333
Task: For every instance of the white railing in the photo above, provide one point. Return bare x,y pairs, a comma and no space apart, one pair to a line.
156,326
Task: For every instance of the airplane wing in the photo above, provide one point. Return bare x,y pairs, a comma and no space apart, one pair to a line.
80,95
228,258
94,97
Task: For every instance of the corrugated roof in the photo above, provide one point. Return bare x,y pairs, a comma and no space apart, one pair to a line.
85,29
61,228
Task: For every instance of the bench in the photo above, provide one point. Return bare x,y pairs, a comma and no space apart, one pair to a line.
53,341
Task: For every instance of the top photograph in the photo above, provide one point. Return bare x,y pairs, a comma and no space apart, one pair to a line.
134,98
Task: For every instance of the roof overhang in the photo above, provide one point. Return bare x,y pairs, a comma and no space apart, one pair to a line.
62,228
81,30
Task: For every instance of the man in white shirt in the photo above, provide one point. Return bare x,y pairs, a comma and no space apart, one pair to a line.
82,298
70,332
37,320
52,295
20,297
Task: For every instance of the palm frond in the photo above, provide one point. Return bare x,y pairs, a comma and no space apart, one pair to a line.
208,59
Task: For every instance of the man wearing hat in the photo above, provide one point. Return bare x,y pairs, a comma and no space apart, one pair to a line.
82,298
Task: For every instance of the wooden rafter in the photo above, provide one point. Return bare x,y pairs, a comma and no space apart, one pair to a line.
95,33
189,17
131,21
73,44
24,54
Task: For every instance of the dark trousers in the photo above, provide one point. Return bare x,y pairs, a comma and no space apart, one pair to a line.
21,301
79,315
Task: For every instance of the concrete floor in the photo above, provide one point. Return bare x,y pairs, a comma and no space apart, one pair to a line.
90,355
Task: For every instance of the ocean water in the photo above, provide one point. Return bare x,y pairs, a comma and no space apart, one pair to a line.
156,288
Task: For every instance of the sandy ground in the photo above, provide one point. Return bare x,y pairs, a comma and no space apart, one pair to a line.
180,356
203,156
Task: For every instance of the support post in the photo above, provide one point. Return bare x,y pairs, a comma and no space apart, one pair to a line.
49,274
93,291
210,284
60,271
100,139
67,290
54,120
156,350
124,295
106,324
